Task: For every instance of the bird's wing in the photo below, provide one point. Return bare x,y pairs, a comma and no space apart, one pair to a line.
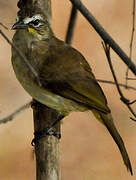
66,73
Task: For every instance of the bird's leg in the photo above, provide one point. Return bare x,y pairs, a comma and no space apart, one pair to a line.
48,131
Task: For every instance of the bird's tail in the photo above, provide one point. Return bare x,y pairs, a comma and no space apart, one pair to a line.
107,120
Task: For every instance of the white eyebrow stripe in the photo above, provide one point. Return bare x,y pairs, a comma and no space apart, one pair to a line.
27,20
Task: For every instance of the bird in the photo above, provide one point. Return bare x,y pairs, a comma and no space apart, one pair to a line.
57,75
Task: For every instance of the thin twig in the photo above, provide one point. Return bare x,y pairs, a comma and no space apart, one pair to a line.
22,108
120,84
122,97
5,27
131,40
22,57
71,25
133,30
131,78
104,35
107,52
14,114
133,102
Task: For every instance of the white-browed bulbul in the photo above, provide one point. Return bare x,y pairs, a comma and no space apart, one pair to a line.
67,81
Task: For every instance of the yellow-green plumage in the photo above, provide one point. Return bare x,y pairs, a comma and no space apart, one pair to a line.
68,83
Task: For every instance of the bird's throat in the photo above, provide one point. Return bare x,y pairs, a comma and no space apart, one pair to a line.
31,30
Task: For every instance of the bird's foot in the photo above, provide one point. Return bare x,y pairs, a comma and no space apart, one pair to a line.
34,103
40,134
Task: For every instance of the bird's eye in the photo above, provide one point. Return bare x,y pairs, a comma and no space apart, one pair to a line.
17,18
36,22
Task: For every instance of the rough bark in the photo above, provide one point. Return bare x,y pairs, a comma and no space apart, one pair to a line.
47,148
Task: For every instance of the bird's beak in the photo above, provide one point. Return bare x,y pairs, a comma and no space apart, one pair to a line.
19,25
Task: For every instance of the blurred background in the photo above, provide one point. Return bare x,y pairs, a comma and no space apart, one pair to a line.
87,150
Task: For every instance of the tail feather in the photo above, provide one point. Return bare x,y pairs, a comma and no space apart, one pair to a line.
106,119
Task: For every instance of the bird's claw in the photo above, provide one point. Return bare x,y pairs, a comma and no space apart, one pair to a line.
47,132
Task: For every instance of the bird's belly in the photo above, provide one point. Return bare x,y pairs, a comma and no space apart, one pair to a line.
26,78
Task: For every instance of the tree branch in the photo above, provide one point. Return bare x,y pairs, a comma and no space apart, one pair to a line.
46,148
104,35
23,58
5,27
122,97
132,39
113,83
133,30
22,108
71,25
15,113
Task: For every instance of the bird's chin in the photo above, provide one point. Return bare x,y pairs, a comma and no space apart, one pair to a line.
32,30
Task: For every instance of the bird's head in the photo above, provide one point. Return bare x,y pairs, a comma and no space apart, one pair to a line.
36,25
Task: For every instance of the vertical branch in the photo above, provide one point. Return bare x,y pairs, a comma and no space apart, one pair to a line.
47,148
71,25
133,29
131,40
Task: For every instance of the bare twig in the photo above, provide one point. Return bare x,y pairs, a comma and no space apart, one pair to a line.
14,114
104,35
22,108
132,40
131,78
132,102
71,25
133,30
122,97
5,27
22,57
120,84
